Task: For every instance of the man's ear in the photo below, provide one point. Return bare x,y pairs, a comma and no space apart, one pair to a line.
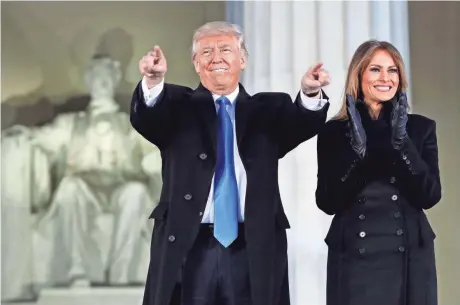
243,62
197,66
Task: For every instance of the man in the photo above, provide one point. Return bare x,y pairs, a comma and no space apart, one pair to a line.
219,233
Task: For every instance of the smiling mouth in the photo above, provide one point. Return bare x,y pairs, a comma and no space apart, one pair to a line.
219,70
383,88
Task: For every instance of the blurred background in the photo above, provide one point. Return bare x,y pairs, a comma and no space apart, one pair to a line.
68,70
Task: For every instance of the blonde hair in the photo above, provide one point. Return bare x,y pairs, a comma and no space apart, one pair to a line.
359,62
219,27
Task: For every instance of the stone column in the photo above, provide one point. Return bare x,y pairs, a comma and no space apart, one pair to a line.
284,39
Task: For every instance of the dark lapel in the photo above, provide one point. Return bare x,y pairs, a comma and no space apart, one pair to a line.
244,107
206,108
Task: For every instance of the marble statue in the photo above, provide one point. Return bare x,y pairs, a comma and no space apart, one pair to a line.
20,166
101,166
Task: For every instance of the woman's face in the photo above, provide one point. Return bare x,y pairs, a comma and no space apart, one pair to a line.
380,79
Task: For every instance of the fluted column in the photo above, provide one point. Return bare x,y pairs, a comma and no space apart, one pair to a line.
284,39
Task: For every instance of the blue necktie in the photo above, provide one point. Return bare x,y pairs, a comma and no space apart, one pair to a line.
225,187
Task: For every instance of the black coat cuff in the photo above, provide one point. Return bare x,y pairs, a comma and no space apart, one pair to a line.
408,159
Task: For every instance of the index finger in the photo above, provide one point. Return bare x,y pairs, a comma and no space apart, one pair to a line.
157,52
316,67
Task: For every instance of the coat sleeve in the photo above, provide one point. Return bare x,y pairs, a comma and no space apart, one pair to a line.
418,172
296,124
340,170
155,123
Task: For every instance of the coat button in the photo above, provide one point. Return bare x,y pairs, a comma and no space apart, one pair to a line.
362,234
392,180
203,156
171,238
362,250
397,214
200,214
187,197
408,161
394,197
404,156
399,232
401,249
362,216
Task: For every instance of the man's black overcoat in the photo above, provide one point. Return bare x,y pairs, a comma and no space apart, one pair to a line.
183,125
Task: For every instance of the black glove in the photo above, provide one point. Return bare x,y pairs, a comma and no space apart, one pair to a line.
399,122
357,133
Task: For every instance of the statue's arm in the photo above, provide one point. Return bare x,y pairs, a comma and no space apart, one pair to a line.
26,178
54,136
28,154
151,165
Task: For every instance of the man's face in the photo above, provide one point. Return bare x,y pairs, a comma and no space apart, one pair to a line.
219,62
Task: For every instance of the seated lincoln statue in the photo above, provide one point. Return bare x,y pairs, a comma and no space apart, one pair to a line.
100,166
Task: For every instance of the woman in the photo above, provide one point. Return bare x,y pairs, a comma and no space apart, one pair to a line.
377,172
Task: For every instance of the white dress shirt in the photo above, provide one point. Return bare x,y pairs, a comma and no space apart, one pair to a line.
151,96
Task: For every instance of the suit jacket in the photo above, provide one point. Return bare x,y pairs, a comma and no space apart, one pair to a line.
183,125
380,241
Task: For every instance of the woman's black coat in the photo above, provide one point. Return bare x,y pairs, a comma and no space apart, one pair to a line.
381,245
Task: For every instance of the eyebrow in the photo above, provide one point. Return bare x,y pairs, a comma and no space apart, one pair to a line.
379,66
220,46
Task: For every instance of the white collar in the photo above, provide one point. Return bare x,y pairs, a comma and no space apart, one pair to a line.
231,97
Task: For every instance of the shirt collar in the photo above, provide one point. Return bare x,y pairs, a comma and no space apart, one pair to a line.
231,97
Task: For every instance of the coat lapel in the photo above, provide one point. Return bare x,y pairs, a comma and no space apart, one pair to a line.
243,110
206,110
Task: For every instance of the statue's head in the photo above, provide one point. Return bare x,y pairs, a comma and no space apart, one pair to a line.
102,76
